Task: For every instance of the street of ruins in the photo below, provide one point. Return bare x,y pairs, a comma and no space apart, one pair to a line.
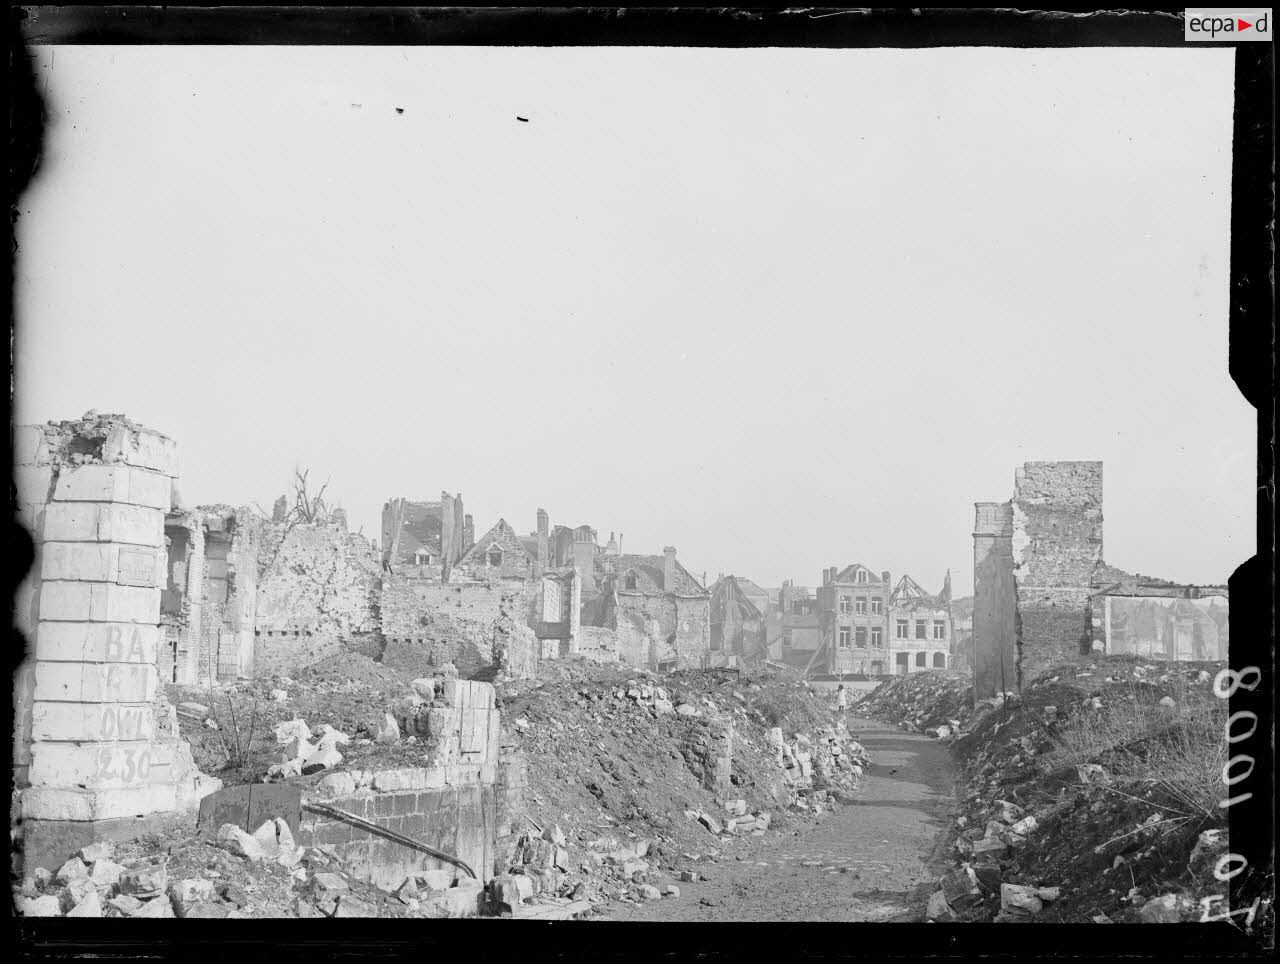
228,712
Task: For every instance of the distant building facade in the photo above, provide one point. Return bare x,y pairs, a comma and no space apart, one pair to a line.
920,632
853,607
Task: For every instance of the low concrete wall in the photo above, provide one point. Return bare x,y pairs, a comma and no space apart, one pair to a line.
447,808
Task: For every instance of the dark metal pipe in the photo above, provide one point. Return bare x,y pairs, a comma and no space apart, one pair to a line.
326,811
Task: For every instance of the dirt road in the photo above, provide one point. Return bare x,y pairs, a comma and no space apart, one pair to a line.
873,860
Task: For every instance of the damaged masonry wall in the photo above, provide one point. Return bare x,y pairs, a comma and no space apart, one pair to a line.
460,802
1035,558
96,737
317,594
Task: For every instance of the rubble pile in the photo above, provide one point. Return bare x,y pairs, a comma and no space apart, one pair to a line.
346,710
236,875
1045,833
654,777
940,701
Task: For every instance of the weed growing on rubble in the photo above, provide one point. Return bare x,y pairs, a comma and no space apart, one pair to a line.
237,742
1177,751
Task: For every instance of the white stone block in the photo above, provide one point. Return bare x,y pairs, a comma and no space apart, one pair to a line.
103,522
33,483
99,602
97,642
29,445
95,682
103,562
494,746
114,483
54,803
93,721
145,448
99,765
31,517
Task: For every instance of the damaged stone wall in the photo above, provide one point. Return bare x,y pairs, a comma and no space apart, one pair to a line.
708,751
1035,559
232,542
100,740
478,627
182,600
683,640
318,594
1056,543
994,601
450,804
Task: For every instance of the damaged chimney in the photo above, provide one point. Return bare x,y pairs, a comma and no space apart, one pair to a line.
544,525
669,568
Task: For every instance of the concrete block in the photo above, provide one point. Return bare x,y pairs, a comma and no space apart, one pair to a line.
145,448
97,642
29,445
462,774
93,721
114,483
95,682
406,778
33,483
475,737
103,562
493,746
103,522
55,803
98,765
30,516
102,602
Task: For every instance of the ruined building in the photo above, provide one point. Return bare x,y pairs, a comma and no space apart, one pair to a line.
498,554
208,599
96,748
737,626
419,537
1034,563
919,627
793,626
656,612
1156,619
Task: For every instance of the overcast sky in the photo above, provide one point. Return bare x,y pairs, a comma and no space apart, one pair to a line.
781,309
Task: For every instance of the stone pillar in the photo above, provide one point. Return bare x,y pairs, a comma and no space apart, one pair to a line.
543,524
575,609
994,600
33,480
101,756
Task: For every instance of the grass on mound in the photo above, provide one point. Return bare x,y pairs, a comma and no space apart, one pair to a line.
1177,751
